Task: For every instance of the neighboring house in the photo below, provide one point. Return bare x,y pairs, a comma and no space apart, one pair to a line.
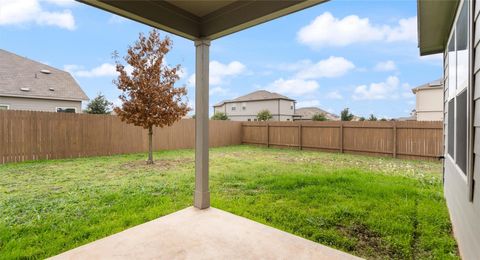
450,29
30,85
429,101
246,108
306,113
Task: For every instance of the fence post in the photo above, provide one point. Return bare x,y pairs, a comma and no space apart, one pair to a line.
394,139
268,135
300,136
341,137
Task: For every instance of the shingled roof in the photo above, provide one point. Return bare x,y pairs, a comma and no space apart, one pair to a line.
22,77
430,85
309,112
255,96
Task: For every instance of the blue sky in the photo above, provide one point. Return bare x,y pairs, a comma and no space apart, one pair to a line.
357,54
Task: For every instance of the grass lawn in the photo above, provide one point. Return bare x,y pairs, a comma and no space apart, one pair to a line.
371,207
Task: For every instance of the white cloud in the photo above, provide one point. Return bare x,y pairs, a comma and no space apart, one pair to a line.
106,69
334,95
103,70
295,87
326,30
30,11
308,103
406,30
182,73
220,73
388,65
407,91
328,68
376,91
61,2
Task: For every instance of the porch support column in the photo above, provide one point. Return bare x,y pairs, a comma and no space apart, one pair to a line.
202,193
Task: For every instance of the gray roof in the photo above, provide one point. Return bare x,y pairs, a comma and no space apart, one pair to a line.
18,73
309,112
433,84
256,96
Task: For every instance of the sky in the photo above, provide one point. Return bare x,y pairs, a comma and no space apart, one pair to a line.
354,54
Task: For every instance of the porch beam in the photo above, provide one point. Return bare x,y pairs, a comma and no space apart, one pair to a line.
202,193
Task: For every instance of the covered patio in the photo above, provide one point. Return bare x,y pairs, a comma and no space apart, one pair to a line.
201,231
203,234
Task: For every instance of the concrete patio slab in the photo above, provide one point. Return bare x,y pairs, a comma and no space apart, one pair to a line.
203,234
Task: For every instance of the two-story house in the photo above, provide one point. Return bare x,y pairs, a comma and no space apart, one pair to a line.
429,101
246,108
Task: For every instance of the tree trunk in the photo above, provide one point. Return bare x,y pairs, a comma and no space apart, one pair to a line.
150,145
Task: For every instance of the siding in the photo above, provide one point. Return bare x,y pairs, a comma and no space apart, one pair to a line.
35,104
465,214
253,107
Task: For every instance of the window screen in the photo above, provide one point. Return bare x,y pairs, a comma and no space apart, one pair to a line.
461,135
451,127
3,107
452,66
462,44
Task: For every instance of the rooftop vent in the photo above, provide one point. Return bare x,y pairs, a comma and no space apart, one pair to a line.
25,89
51,89
45,71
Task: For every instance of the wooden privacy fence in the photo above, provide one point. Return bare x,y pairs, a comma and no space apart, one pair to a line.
408,140
26,135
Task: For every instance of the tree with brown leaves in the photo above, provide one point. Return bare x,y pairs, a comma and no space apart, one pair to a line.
149,96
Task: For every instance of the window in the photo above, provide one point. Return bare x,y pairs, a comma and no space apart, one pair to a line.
249,119
4,107
234,107
291,106
462,47
458,66
461,131
451,127
66,110
244,106
452,67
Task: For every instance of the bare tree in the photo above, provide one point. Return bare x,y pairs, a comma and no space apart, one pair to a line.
149,96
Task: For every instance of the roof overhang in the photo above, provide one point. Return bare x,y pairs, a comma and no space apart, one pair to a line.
202,19
435,19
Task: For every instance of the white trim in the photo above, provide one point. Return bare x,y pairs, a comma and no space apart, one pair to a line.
5,105
459,87
457,169
56,109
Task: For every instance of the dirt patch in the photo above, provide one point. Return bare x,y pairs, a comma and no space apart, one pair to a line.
159,164
369,243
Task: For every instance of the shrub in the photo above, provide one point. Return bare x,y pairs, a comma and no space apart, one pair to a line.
219,116
264,115
346,115
319,117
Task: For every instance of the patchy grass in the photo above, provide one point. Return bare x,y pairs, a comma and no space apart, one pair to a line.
372,207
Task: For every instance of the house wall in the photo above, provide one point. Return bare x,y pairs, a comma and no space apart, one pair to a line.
280,109
429,104
465,212
35,104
